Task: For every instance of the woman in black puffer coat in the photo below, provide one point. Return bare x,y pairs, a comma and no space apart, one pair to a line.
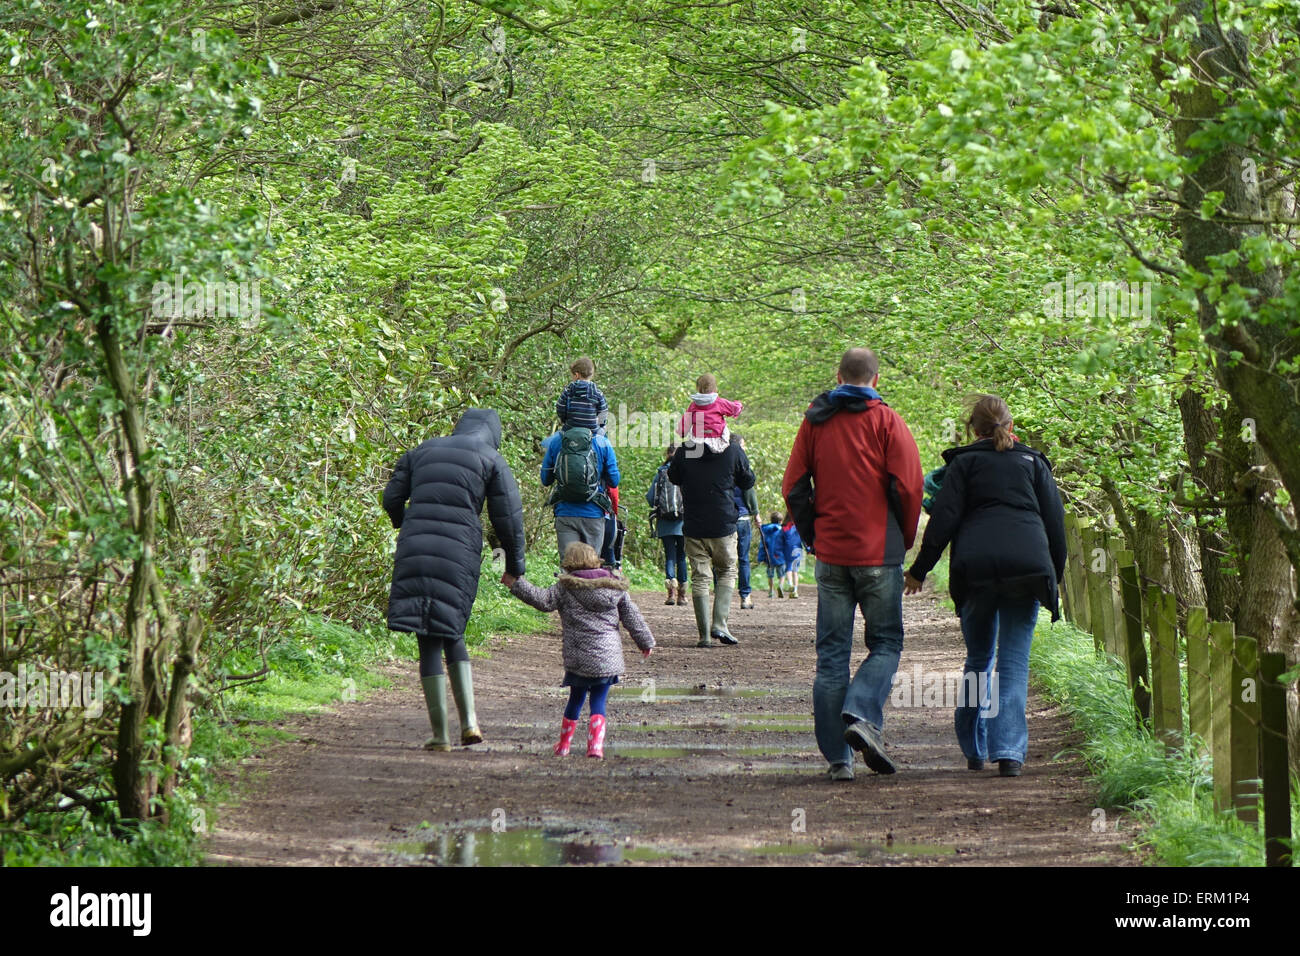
1000,509
440,553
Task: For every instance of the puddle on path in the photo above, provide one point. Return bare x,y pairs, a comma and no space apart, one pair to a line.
773,728
533,846
717,750
782,718
721,727
654,694
854,849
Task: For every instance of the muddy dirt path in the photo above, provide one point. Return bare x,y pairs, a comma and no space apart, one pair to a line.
717,766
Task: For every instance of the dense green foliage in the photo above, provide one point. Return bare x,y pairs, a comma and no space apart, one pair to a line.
414,208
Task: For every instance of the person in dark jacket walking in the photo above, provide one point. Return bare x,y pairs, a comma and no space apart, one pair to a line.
859,518
662,496
706,471
1000,509
440,554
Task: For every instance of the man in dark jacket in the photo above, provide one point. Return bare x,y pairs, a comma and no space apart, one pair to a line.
862,511
707,471
440,553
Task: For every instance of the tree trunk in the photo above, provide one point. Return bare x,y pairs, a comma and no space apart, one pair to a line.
135,785
1209,475
1188,584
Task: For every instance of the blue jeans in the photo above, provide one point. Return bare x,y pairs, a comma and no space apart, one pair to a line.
744,534
997,628
837,702
674,558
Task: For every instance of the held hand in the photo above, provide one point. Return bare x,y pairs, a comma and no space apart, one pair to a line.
910,584
508,580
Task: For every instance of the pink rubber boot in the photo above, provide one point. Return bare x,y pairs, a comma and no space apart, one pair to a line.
596,737
566,736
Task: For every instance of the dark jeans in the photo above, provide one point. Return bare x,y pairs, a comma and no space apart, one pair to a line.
837,702
674,557
744,534
611,530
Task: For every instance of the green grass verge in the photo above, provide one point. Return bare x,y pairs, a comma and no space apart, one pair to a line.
1168,791
316,663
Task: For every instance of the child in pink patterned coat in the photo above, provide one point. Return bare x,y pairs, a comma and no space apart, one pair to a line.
704,417
592,601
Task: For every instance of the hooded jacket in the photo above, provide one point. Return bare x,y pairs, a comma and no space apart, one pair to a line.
440,544
789,547
591,605
707,478
1003,515
854,480
769,547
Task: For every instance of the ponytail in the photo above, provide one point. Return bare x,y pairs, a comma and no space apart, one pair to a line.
990,418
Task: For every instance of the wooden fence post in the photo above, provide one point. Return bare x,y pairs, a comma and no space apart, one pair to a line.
1199,714
1119,643
1135,649
1103,570
1166,682
1065,588
1076,574
1273,756
1098,594
1245,729
1221,696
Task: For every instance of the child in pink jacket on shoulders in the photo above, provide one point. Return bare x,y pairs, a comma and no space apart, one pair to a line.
704,418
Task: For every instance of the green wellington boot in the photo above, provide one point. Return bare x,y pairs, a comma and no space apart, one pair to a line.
721,611
462,687
435,699
701,603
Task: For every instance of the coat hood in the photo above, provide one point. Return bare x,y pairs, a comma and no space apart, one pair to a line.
483,420
584,583
828,403
594,594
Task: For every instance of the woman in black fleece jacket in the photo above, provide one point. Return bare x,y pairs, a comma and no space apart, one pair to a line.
1000,509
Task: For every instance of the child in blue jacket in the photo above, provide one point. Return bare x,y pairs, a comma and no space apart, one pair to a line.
790,556
768,546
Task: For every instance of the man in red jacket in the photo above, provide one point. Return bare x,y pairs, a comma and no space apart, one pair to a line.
854,485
